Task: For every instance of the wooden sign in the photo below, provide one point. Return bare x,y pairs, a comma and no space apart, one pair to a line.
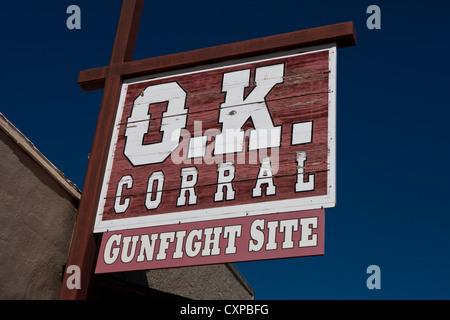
100,191
275,236
249,137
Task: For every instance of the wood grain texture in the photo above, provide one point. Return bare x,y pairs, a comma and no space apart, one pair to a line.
343,34
303,96
83,249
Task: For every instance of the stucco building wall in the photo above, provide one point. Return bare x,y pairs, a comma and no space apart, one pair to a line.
37,218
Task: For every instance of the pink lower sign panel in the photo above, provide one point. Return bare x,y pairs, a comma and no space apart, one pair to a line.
250,238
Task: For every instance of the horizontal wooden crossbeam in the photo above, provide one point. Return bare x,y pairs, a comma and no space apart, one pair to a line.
343,34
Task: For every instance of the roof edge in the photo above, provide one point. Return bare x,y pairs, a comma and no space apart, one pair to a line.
19,138
240,278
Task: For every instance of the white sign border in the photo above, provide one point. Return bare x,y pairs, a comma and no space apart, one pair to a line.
261,208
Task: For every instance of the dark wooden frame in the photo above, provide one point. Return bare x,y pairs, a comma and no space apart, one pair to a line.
343,34
84,246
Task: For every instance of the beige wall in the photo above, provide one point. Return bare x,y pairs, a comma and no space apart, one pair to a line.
37,218
210,282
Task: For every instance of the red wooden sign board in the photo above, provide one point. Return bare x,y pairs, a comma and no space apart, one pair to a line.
275,236
115,80
228,140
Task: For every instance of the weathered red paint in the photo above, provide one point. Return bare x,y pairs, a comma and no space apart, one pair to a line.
280,241
303,96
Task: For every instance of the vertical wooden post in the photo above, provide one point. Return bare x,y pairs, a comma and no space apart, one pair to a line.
83,248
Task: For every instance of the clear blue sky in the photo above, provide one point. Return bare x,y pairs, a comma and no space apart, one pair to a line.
392,123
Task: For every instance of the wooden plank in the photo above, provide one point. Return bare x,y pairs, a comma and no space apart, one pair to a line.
93,79
304,238
343,34
83,248
127,31
285,186
307,77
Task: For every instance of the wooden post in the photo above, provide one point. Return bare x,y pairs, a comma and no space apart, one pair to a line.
83,249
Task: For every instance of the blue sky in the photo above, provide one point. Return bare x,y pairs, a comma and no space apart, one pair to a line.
392,123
